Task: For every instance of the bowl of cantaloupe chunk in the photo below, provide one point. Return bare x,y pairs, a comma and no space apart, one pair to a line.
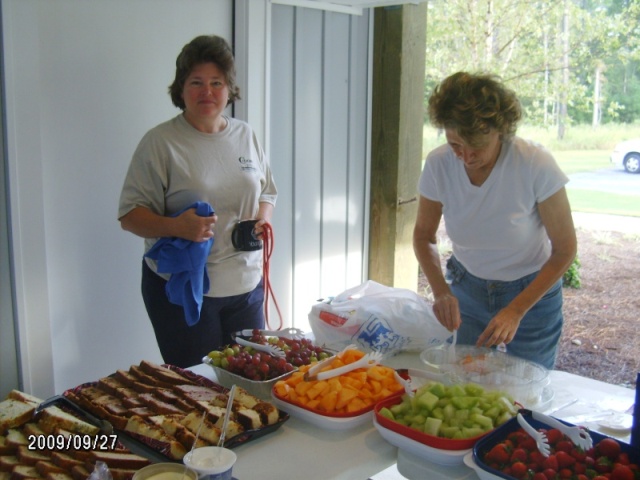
447,417
343,401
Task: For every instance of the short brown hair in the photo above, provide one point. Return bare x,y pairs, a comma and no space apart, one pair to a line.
473,104
204,49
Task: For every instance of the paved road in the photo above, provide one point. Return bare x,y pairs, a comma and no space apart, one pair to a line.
614,180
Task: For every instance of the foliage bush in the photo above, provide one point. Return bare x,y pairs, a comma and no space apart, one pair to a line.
571,278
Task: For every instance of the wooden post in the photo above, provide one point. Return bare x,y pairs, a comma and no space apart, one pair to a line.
396,141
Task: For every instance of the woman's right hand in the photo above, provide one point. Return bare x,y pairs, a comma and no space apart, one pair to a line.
447,311
194,227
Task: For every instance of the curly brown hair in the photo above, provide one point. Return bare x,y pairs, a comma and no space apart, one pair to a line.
204,49
473,104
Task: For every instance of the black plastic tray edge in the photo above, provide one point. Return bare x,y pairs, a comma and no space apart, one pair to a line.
499,434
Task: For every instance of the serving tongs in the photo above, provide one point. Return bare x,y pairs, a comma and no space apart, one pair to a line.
317,366
270,349
104,425
292,333
368,361
578,435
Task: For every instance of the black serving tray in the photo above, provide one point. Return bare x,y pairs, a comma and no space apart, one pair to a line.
154,450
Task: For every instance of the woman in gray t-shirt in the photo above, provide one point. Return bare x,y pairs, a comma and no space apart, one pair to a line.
201,156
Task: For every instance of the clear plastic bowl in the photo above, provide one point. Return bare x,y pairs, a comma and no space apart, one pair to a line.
492,369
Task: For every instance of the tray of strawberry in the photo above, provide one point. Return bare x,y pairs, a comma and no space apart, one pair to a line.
257,361
510,453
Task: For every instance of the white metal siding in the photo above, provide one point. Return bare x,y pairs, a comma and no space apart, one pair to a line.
319,153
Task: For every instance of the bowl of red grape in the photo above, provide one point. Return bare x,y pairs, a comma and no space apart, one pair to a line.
258,371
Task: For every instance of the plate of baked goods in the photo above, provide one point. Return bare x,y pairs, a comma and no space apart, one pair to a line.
321,395
163,407
40,438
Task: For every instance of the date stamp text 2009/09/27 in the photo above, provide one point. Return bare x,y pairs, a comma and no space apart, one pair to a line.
72,442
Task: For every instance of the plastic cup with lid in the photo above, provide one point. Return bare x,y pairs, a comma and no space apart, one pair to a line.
211,463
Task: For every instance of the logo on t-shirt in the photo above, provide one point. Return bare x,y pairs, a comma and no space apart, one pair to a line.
246,164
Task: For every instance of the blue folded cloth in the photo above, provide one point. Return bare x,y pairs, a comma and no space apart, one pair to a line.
186,261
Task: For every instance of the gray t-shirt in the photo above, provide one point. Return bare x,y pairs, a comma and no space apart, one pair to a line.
495,229
176,165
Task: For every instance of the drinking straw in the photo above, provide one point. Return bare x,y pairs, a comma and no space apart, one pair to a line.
227,414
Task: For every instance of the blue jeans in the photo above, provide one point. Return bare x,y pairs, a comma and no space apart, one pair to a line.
480,300
184,346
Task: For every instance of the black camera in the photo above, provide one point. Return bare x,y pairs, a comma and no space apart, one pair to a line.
244,238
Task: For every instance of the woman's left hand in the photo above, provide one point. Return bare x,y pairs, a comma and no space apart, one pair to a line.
258,228
501,329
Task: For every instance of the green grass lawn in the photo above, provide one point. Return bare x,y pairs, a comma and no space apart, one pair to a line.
576,161
593,201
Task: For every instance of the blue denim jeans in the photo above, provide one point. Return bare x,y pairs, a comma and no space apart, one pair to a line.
480,300
183,345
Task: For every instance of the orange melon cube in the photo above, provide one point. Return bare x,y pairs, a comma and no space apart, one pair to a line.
335,384
336,363
351,356
375,386
328,402
317,389
303,387
355,405
376,372
344,397
295,378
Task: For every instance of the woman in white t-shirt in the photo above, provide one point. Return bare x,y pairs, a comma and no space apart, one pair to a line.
200,156
506,212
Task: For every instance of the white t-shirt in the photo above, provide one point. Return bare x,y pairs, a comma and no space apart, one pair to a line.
176,165
495,229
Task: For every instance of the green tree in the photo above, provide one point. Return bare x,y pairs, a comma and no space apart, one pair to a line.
563,58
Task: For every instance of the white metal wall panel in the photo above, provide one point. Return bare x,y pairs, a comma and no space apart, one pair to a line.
281,157
320,72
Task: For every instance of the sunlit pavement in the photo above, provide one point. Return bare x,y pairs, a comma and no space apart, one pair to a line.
609,223
614,180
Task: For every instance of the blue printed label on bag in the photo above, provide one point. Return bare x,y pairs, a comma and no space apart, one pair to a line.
376,334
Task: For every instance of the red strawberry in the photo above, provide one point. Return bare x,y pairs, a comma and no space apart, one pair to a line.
564,459
623,458
565,473
540,476
603,464
608,447
519,455
518,470
536,458
554,436
564,446
498,454
579,467
579,454
529,444
551,462
621,472
550,473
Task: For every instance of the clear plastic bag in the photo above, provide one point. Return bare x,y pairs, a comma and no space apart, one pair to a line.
378,318
100,472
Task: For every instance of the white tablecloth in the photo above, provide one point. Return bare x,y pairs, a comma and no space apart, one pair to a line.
301,450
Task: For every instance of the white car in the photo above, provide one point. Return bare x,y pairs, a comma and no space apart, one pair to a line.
627,155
